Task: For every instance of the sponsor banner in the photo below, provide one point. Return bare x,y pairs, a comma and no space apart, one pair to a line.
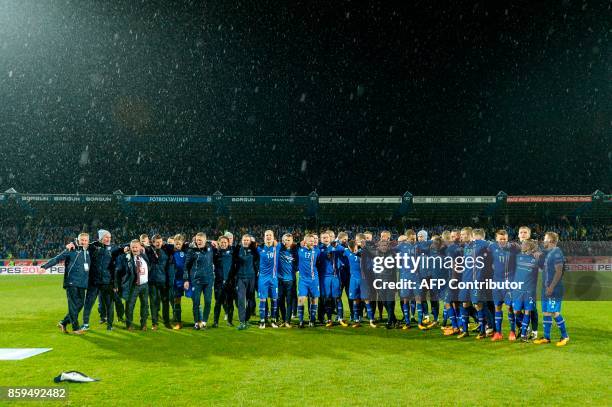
591,263
65,198
360,200
266,199
453,199
167,199
548,198
30,270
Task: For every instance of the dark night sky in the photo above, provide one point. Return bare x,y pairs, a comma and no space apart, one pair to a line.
348,98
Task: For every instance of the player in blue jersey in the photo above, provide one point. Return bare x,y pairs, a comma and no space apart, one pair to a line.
451,304
407,273
344,270
524,233
423,244
308,285
526,275
267,282
287,268
437,272
327,266
178,265
503,257
474,252
552,289
353,255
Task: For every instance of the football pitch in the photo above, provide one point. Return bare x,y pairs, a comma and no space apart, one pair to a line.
317,366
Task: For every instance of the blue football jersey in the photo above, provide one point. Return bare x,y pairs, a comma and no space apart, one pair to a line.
354,261
526,272
553,258
307,263
268,260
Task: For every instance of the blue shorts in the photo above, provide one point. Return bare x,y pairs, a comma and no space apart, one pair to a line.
355,289
438,293
331,287
345,278
473,295
551,304
409,292
450,294
178,288
267,287
364,290
523,301
308,288
502,297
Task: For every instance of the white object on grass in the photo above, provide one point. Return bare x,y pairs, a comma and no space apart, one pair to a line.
21,353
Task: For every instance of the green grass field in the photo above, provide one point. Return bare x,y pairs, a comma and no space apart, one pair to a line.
299,367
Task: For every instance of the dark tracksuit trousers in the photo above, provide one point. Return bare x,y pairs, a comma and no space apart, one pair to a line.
140,292
294,297
90,299
107,294
224,297
245,290
118,304
159,295
345,281
198,290
285,298
76,300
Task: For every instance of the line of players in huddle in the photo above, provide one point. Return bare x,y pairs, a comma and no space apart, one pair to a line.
318,270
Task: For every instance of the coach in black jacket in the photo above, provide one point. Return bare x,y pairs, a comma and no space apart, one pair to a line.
244,273
224,287
199,272
159,255
104,259
132,275
77,264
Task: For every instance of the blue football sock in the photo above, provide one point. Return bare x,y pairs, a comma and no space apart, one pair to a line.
499,317
406,312
435,310
425,307
313,312
328,310
262,309
419,308
534,320
356,311
481,323
413,308
472,313
519,317
525,324
444,316
465,315
453,317
547,322
369,311
301,313
561,324
274,308
340,308
512,321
